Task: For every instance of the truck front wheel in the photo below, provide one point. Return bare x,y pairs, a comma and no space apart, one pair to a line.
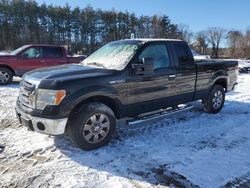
215,100
92,126
6,76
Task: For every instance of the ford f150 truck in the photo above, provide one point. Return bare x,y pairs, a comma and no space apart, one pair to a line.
140,79
30,57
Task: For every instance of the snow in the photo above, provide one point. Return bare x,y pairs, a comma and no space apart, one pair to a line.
208,150
112,56
3,53
244,63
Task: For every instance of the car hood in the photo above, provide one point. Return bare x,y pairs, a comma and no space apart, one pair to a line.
65,72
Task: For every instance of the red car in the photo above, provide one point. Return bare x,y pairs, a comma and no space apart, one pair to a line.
30,57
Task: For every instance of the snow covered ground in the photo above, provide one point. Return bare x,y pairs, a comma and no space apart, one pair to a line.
189,149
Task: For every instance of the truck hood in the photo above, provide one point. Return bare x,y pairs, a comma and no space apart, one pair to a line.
5,56
65,72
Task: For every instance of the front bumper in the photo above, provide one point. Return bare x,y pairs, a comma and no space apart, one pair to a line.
42,125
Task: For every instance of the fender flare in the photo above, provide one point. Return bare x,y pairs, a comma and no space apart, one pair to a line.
8,67
84,95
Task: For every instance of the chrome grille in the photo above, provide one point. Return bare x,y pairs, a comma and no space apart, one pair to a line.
27,89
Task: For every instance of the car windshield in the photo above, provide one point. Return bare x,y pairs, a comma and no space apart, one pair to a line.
15,52
114,55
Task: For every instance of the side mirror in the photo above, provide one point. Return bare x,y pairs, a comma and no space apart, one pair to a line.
144,67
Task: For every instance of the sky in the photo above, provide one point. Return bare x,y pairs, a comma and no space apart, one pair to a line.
198,14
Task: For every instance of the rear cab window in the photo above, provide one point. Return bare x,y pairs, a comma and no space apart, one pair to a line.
53,52
183,56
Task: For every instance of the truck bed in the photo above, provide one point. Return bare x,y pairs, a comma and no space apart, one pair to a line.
211,69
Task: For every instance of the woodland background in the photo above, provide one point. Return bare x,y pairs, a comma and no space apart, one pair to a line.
84,30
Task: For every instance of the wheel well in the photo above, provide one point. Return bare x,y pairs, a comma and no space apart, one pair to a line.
9,68
222,82
102,99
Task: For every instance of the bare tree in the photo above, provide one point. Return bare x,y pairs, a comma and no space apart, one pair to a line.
201,42
234,40
215,36
247,41
239,44
185,33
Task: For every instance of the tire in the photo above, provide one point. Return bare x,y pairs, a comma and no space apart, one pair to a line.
91,120
6,76
215,100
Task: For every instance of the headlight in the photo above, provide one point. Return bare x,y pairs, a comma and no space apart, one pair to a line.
49,97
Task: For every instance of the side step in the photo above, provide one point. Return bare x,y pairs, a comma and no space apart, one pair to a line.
147,117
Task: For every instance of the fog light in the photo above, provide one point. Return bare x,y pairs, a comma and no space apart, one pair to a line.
40,126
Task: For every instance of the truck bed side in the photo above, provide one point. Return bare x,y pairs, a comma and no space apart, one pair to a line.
210,72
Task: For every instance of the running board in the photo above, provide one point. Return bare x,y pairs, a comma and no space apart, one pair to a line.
158,115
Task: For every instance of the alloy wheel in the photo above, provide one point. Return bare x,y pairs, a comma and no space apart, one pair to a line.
96,128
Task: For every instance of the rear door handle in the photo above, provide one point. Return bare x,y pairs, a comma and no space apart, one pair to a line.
42,61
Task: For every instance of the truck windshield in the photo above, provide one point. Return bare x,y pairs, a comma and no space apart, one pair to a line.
114,55
15,52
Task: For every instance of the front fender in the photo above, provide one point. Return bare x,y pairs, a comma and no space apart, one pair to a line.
74,99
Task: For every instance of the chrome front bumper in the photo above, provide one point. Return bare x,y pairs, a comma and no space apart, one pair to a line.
42,125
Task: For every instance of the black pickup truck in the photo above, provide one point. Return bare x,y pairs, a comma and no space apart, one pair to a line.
123,79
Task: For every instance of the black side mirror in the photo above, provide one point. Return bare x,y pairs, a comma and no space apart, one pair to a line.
144,67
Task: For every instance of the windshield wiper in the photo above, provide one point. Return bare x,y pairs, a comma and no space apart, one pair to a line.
97,64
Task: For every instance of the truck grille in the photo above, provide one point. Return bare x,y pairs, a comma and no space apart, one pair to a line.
27,91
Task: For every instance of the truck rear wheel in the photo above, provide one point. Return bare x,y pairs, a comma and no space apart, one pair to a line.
6,76
92,127
215,100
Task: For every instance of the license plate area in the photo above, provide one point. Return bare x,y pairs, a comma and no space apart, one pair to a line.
25,122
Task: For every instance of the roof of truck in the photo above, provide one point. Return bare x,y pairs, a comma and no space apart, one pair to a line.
43,45
151,39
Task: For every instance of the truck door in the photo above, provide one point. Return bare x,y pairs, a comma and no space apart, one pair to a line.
54,56
185,72
151,92
30,59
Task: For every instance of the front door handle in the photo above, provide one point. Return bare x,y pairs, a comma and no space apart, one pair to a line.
42,61
172,76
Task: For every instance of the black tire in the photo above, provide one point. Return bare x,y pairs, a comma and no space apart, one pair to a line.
6,76
215,100
82,120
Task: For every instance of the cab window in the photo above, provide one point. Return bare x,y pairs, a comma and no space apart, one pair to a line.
34,52
158,53
182,54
